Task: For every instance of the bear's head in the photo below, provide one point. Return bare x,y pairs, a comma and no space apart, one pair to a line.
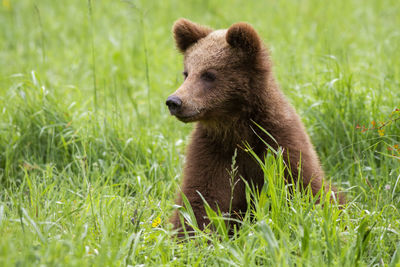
221,70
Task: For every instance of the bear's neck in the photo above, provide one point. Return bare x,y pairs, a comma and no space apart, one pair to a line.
228,133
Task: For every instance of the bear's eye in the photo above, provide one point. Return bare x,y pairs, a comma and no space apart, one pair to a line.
208,76
185,74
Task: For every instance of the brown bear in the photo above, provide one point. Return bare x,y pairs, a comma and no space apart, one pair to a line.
228,88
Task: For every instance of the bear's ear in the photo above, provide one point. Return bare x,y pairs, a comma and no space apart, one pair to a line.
187,33
242,35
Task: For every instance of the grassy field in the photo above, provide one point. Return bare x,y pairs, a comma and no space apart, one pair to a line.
90,159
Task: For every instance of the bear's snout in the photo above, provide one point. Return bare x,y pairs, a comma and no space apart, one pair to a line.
174,104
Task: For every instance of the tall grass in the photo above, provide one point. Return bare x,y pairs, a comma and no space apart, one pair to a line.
90,160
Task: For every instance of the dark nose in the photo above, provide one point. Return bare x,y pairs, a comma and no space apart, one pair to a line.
174,103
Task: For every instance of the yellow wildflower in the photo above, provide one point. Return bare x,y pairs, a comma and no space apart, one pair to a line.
7,4
156,222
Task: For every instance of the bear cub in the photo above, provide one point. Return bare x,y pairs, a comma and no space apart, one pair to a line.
228,88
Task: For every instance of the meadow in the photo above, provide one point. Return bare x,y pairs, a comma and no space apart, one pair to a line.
91,160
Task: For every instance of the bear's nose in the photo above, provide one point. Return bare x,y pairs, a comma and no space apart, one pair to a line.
174,103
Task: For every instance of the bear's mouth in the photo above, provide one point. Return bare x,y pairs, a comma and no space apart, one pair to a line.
188,118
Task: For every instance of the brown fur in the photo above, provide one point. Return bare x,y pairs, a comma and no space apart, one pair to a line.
229,84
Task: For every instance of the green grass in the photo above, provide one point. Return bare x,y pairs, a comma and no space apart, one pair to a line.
89,156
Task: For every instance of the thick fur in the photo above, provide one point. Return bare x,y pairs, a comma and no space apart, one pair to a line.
229,86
